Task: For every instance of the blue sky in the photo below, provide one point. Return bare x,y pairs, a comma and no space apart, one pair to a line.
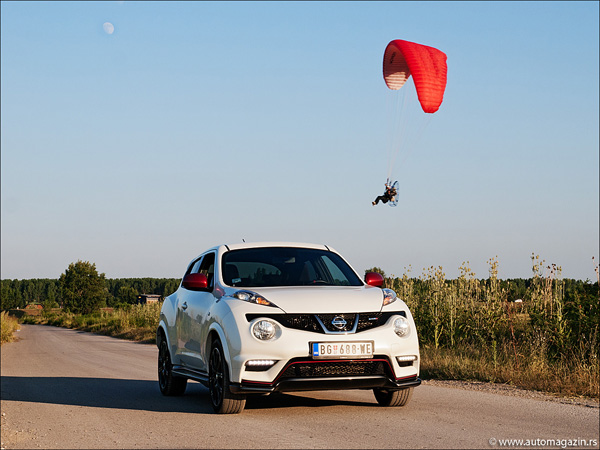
200,123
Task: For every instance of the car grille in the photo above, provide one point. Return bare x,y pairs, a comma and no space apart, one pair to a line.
305,322
322,323
315,369
326,320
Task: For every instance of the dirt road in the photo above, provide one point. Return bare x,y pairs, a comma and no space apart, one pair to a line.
68,389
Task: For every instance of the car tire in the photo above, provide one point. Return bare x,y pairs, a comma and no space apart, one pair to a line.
168,383
221,398
387,397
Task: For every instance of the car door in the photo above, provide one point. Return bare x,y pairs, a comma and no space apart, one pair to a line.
182,322
195,308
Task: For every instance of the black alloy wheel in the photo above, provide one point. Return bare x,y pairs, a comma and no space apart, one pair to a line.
168,383
221,398
215,377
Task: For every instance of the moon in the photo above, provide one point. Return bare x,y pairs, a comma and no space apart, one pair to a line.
109,28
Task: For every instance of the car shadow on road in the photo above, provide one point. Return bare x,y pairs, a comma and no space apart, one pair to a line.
283,400
142,395
103,393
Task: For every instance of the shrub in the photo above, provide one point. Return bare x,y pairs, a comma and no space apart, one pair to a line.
470,328
8,326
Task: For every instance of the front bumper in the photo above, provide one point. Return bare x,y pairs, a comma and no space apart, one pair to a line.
293,358
301,374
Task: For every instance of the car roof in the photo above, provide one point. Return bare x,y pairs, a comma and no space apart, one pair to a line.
241,245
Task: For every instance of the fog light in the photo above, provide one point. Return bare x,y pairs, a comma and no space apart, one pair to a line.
401,326
257,365
407,360
264,330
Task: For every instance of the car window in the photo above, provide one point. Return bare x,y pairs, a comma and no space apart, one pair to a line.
286,266
339,278
193,268
207,267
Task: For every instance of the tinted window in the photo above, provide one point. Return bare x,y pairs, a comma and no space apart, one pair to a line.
193,268
286,266
207,267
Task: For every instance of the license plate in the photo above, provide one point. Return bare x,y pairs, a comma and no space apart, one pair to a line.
342,350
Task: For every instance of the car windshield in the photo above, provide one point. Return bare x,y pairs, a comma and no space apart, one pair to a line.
286,266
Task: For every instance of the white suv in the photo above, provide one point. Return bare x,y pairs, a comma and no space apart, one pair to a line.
257,318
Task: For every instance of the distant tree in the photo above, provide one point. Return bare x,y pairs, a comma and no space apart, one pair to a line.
9,296
32,291
82,288
127,294
51,300
170,286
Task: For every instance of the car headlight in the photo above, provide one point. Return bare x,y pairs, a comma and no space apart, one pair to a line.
264,330
252,297
401,326
389,296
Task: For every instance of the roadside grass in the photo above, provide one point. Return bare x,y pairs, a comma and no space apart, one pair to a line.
574,379
8,326
136,322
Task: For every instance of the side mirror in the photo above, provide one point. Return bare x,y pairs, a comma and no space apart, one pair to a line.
374,279
195,282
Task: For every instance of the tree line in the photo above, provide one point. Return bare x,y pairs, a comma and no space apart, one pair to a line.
83,277
82,288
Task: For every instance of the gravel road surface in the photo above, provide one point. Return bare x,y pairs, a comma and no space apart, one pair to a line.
62,388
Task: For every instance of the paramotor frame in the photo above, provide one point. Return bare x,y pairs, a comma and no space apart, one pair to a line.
394,191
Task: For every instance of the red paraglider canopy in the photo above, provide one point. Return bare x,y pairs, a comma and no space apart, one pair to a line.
427,66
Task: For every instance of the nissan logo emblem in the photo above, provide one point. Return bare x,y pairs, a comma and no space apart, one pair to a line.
338,322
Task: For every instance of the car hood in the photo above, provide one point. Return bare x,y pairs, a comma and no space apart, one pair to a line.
324,299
